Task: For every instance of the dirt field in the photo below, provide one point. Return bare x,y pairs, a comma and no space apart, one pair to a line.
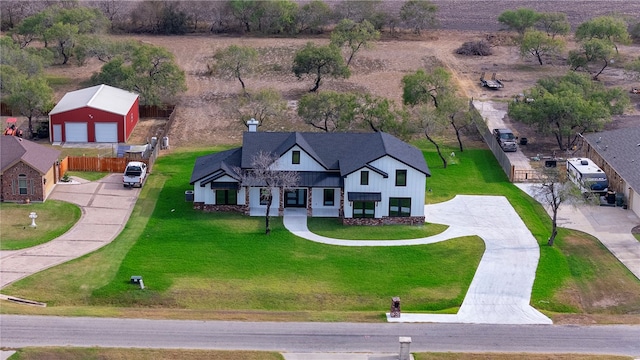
205,114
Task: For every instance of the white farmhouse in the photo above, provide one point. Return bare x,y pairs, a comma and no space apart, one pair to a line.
362,178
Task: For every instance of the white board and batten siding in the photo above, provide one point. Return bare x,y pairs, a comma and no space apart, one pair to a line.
207,195
307,163
106,132
254,200
416,182
76,132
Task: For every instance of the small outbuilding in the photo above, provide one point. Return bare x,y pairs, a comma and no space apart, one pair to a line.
101,113
28,170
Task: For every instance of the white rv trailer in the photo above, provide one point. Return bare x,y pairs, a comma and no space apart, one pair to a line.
587,175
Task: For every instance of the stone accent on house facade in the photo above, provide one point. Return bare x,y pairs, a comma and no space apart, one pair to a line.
10,190
242,209
309,202
404,220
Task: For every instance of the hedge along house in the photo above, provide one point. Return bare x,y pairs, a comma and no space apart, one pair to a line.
28,171
617,153
101,113
362,178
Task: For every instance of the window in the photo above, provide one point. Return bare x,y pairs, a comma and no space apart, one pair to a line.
295,157
264,196
364,178
363,209
329,197
226,197
399,206
22,184
401,177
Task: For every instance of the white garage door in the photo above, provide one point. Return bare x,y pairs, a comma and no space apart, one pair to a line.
75,132
107,132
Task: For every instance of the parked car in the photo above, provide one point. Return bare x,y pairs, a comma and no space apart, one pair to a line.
506,139
134,174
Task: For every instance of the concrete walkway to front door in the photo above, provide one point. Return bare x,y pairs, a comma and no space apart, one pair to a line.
500,291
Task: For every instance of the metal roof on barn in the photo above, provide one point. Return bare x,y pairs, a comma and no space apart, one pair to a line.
101,97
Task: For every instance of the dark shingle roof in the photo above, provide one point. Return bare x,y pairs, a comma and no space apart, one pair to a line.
621,150
342,153
14,149
208,164
346,152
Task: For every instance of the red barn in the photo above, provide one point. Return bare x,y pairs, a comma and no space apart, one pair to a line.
97,114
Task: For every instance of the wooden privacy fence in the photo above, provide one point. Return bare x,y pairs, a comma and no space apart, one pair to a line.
100,164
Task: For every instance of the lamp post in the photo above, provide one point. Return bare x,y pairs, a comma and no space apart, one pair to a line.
33,217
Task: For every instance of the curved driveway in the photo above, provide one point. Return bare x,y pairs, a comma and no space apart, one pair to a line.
106,206
500,291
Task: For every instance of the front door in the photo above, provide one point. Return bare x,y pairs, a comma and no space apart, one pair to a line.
295,198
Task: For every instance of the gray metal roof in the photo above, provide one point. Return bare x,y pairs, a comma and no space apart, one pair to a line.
621,150
14,149
339,153
101,97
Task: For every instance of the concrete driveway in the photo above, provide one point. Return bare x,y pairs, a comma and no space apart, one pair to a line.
611,225
500,291
106,206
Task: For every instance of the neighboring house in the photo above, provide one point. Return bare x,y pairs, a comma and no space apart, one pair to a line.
617,153
97,114
363,178
28,170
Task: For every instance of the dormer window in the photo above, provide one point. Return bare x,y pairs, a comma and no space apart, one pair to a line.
295,157
401,177
364,178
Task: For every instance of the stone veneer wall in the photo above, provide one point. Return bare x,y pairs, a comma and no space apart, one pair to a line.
404,220
223,208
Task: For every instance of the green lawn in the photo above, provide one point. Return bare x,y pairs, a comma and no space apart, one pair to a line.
217,262
54,219
87,175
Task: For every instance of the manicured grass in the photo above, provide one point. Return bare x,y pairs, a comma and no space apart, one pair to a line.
637,236
69,353
87,175
217,265
187,258
54,219
333,228
515,356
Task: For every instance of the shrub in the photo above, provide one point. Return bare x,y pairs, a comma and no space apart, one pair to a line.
475,48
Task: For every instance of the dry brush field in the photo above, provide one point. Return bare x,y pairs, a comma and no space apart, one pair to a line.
206,116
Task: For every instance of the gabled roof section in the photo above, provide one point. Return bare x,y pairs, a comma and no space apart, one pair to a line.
343,152
621,150
101,97
14,149
223,161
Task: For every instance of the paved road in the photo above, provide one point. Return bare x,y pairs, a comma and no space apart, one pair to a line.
500,292
20,331
106,207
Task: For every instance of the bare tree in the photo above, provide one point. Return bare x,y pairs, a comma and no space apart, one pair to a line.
263,106
264,173
554,191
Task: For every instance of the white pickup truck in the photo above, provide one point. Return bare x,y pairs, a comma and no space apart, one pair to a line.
134,174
